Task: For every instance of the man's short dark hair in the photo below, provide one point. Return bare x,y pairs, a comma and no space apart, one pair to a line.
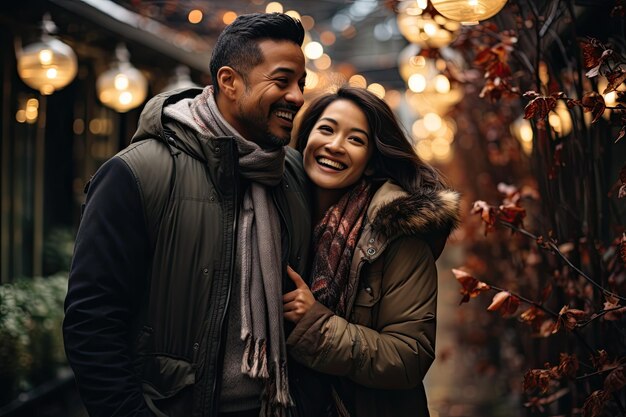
237,46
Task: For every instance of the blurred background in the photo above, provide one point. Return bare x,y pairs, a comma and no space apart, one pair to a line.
520,103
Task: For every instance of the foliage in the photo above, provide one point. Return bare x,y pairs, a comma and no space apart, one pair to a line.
555,249
31,345
57,250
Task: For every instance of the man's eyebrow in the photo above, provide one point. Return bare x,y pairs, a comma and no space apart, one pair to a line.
283,69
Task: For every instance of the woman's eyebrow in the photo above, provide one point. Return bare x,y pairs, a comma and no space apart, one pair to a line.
354,129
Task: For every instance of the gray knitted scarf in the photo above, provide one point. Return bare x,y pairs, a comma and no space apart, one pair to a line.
258,249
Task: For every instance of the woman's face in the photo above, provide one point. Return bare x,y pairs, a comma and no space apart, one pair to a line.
339,146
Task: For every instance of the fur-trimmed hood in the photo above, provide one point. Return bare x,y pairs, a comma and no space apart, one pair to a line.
433,215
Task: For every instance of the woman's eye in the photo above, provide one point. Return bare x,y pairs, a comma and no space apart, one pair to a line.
357,140
325,128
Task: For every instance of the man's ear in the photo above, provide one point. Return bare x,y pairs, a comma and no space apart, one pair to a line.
229,81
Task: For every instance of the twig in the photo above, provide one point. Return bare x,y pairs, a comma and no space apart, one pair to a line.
578,378
598,315
555,249
524,299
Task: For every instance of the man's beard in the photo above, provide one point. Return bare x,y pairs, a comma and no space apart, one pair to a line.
274,140
260,124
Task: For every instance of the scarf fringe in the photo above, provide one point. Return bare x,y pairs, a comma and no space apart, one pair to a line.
254,363
276,398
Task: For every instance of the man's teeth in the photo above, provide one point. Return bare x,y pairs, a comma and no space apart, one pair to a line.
285,115
331,163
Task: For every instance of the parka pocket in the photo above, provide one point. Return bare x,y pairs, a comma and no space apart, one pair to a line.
368,294
168,385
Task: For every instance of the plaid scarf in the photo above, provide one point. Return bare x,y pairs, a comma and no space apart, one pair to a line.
334,240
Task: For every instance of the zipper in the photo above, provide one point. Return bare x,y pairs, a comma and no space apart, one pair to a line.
284,222
220,345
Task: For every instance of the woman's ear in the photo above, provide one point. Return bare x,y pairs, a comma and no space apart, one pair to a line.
369,170
229,82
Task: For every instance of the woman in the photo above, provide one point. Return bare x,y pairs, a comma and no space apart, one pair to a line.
382,218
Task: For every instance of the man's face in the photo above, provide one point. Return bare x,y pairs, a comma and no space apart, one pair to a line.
272,95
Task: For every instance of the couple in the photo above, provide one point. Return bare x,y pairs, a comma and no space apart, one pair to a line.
194,244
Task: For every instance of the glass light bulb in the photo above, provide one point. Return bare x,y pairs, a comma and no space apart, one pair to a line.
45,57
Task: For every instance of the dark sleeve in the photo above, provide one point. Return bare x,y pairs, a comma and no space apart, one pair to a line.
108,269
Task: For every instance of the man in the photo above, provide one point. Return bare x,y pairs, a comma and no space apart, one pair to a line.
175,292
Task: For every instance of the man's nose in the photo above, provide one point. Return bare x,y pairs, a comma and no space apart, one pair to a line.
295,96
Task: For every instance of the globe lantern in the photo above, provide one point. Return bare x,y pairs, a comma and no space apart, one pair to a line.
47,65
181,79
430,87
468,12
123,87
425,27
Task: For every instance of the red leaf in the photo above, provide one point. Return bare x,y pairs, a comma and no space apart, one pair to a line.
594,103
600,360
483,57
612,304
615,78
615,380
470,286
531,94
533,316
547,328
594,404
568,318
592,53
568,365
512,214
511,306
539,378
571,103
487,214
539,107
498,300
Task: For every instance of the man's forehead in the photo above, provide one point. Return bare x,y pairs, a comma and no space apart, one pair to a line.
282,54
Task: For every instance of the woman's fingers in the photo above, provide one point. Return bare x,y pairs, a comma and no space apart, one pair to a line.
297,279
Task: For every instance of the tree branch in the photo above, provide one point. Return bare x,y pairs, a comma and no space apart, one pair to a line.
556,250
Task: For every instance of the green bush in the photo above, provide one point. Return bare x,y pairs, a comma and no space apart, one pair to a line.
31,343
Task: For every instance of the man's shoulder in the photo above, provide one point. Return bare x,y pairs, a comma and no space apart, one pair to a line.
147,152
293,158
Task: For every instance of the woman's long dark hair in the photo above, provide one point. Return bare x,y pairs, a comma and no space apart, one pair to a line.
394,156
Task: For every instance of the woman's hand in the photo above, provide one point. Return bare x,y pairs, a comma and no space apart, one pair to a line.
297,302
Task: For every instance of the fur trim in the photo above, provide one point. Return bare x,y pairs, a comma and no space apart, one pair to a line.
430,213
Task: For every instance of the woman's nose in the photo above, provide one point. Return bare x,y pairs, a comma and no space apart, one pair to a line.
335,144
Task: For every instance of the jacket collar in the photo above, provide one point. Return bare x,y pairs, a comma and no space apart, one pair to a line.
154,125
393,212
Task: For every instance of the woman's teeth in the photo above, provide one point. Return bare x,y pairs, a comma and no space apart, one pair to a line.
331,164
